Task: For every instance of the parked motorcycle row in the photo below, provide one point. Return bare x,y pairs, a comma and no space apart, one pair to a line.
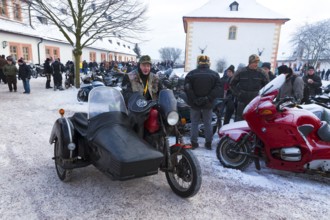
95,79
127,142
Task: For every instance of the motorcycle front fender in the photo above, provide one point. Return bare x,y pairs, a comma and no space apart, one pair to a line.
235,135
235,131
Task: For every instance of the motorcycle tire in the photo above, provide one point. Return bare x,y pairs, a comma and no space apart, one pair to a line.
34,74
186,178
82,95
229,158
63,174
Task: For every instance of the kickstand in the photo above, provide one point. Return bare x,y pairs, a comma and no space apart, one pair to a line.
257,163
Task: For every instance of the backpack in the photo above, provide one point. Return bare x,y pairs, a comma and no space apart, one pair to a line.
305,98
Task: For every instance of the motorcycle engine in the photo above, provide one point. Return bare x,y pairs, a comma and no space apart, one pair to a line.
287,154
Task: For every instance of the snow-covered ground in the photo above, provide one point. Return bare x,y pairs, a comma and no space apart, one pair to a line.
30,188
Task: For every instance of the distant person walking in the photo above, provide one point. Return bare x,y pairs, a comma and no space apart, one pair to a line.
10,70
48,72
24,73
3,62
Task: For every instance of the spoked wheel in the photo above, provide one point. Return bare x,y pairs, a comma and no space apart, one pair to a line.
82,95
233,156
63,174
186,178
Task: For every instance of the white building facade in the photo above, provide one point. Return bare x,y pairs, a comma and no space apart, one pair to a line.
231,31
36,40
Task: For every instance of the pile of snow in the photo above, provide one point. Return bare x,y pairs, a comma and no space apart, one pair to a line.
30,188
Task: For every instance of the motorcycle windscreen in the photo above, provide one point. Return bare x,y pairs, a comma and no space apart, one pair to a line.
105,99
273,85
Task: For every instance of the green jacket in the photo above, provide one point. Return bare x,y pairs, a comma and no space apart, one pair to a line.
10,70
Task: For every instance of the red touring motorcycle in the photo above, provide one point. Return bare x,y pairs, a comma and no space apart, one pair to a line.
287,138
107,138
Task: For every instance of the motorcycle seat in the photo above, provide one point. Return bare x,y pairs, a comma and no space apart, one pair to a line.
324,131
325,116
80,122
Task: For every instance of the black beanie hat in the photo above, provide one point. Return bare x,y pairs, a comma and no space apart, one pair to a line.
282,69
231,68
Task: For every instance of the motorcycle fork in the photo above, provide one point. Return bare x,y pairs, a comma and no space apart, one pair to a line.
255,148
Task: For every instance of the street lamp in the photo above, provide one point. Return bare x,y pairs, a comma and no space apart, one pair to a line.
4,44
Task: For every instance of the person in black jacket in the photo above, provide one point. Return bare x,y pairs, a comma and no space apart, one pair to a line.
48,72
229,98
24,73
246,84
57,76
202,86
313,82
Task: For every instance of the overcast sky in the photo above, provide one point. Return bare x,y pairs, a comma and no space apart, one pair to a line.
166,25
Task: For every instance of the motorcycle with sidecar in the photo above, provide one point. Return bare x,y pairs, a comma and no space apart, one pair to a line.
126,142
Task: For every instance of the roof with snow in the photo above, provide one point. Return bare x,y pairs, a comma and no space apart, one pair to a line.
51,33
246,9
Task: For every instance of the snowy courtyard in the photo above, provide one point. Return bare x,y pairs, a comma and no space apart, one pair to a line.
30,188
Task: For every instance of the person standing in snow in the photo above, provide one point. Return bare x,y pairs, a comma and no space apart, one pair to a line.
57,74
202,86
246,84
24,73
10,70
293,86
48,72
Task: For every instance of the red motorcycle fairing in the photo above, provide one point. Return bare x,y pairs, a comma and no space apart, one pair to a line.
235,131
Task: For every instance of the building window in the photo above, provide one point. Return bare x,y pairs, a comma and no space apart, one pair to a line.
3,8
92,56
232,33
14,51
42,20
234,6
110,57
52,52
103,57
26,52
118,43
17,10
63,11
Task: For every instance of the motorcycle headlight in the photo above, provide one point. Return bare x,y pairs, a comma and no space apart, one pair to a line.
172,118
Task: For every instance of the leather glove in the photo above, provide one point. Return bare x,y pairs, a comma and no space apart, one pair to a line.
201,101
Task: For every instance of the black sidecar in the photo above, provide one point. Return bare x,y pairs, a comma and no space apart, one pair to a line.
105,140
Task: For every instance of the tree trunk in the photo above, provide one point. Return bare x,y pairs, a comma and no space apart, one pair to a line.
77,54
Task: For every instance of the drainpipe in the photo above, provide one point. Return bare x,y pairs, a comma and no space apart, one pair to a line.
30,19
39,50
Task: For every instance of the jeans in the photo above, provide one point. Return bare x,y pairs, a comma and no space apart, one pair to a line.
196,116
26,85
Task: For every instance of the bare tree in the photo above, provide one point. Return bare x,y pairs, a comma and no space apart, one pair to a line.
82,22
221,64
311,42
170,53
137,50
